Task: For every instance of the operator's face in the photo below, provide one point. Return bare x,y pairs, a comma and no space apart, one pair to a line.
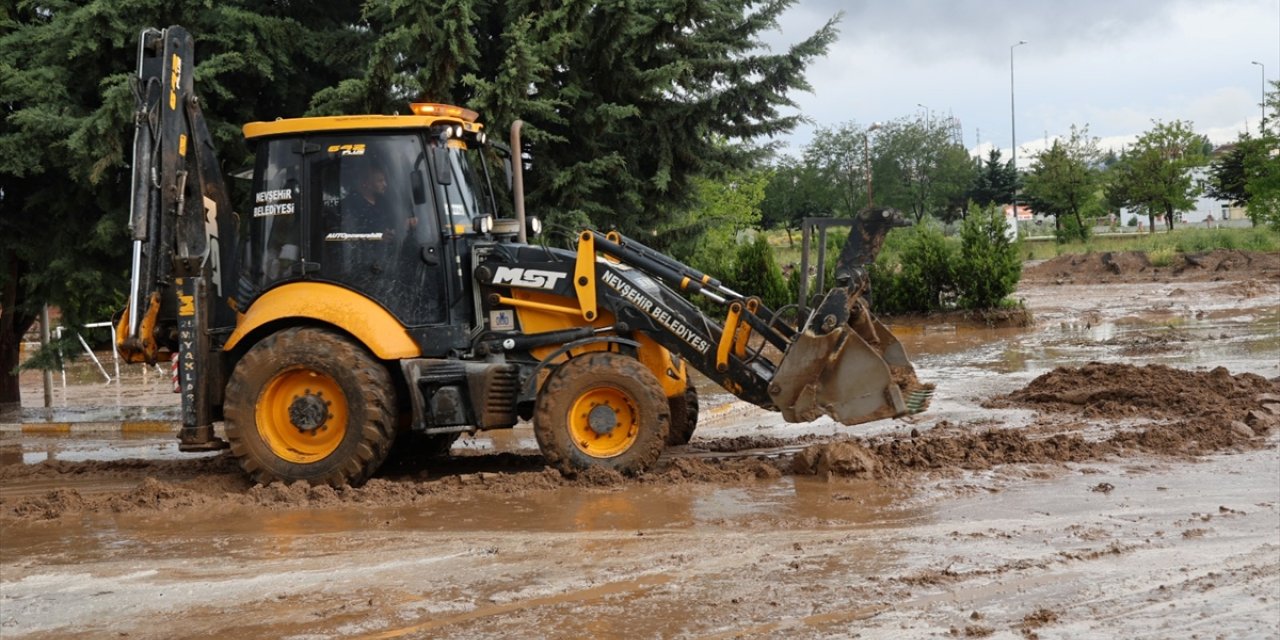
376,183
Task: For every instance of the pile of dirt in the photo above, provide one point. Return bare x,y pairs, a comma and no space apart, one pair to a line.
1136,266
1100,390
1199,413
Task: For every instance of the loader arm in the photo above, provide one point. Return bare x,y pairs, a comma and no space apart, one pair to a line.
179,211
840,361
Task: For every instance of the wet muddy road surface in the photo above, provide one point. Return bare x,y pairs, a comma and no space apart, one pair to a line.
1064,524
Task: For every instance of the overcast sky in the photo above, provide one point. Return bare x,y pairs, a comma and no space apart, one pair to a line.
1111,64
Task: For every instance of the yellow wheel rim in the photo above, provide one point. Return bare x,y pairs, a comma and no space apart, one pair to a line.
318,420
603,422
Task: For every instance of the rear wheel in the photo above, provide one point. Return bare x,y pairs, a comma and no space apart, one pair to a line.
684,416
602,410
309,404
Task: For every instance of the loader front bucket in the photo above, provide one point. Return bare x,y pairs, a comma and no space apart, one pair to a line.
847,365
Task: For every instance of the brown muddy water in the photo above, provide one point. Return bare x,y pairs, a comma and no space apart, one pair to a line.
112,537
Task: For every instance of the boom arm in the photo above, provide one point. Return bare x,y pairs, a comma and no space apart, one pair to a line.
178,212
840,361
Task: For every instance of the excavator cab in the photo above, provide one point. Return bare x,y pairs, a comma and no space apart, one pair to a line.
383,213
381,292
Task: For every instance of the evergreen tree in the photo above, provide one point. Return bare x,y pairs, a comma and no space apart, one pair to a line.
625,103
996,183
66,128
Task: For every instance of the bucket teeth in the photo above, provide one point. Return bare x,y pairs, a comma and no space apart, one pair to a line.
918,399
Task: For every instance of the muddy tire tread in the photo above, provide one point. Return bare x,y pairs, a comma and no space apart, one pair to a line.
376,434
567,381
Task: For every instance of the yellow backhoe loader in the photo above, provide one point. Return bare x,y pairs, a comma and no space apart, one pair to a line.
381,288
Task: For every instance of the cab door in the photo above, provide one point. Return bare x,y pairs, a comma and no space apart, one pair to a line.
374,227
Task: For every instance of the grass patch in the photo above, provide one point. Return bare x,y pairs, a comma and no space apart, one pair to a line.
1165,243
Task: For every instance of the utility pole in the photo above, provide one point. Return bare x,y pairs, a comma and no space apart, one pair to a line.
1013,126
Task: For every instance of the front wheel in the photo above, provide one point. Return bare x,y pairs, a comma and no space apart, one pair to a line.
309,404
601,410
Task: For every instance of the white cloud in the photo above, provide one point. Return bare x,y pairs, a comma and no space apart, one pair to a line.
1112,64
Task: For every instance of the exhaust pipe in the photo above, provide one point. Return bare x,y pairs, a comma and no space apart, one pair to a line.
517,181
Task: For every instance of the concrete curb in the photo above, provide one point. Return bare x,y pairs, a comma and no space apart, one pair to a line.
59,428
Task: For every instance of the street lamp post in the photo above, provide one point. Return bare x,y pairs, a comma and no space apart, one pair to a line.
866,154
927,117
1262,127
1013,126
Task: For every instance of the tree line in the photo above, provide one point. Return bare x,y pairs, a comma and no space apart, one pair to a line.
923,168
626,105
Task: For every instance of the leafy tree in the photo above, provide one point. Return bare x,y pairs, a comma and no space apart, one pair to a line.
625,103
66,123
840,157
1064,178
1155,174
921,169
707,236
795,191
1261,167
996,182
988,268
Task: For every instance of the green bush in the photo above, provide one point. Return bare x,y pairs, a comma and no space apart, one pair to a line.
756,273
1069,230
988,268
921,277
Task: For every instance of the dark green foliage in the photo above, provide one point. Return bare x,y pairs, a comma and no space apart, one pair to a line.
1070,230
757,273
66,126
625,103
795,191
995,183
920,276
989,268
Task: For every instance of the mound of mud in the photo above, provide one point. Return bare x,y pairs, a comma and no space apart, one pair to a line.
1099,390
1135,266
1200,413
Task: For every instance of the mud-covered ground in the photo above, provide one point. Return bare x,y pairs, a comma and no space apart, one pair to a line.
1110,471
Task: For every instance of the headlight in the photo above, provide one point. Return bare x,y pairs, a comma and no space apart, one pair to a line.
483,224
457,131
535,227
483,138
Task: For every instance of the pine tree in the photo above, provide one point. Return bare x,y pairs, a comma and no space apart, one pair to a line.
997,182
66,126
625,103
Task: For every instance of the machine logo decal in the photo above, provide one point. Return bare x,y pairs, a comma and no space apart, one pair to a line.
660,315
347,149
527,278
338,236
